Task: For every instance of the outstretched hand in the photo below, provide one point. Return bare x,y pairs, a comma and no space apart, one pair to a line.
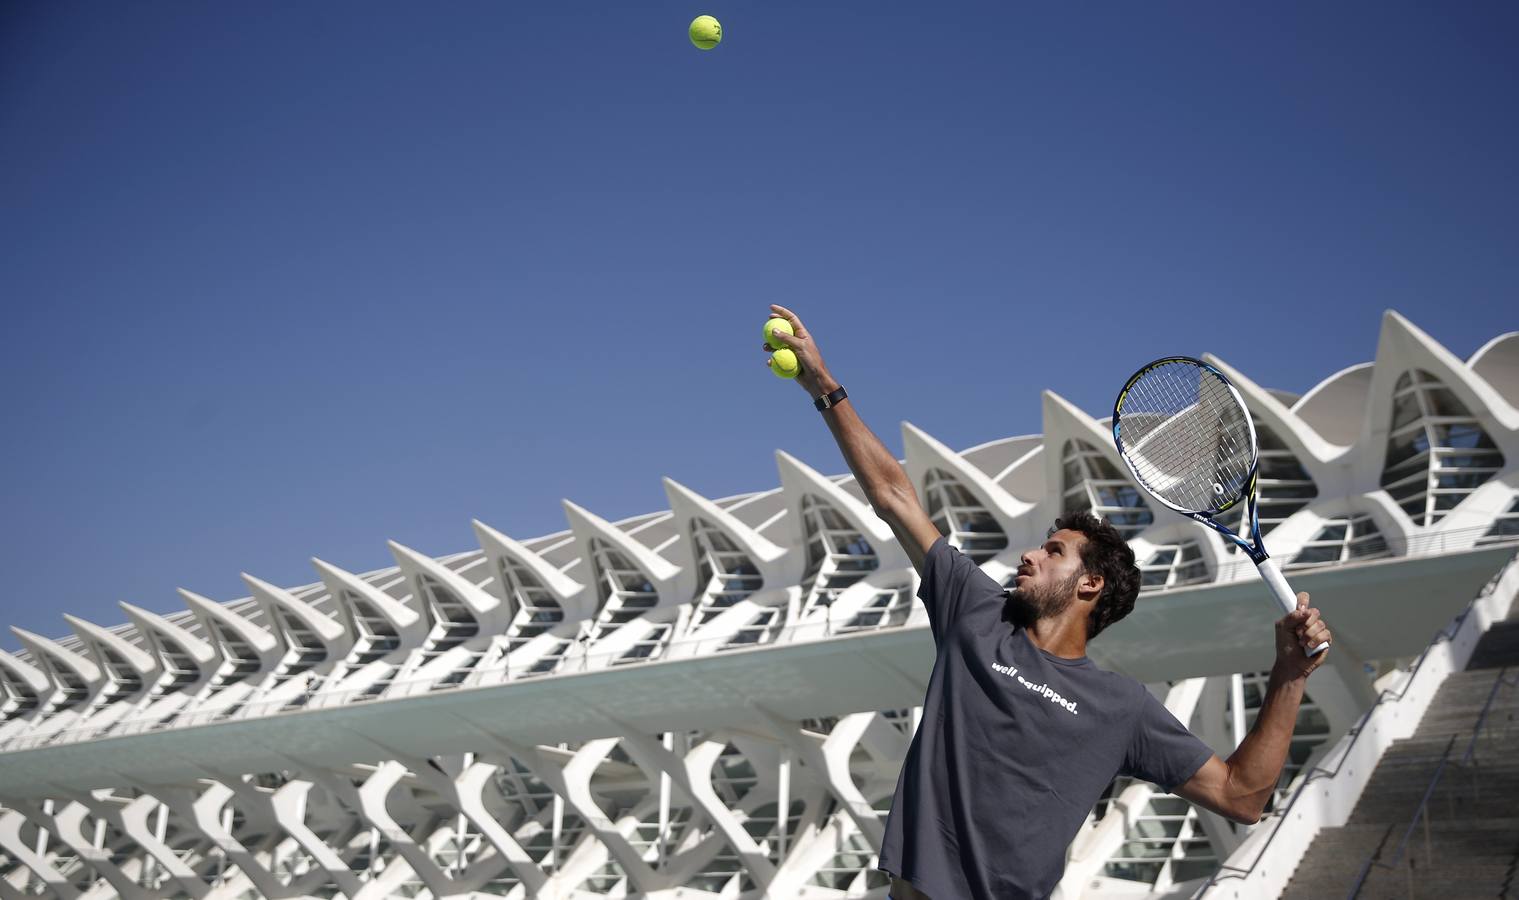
813,373
1297,633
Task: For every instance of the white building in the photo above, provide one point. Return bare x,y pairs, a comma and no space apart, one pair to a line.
625,709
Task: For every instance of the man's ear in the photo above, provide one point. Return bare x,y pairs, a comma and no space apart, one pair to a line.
1089,587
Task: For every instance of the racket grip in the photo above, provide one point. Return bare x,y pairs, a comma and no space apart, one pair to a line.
1286,598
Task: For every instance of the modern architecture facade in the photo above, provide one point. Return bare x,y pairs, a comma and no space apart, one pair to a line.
714,700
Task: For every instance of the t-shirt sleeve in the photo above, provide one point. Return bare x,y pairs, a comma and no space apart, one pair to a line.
951,582
1161,749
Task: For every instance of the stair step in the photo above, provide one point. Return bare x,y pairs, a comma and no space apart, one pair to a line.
1498,647
1469,822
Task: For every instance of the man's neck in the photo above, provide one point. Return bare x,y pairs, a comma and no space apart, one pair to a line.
1063,636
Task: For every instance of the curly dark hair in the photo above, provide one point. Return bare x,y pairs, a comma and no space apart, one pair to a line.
1105,553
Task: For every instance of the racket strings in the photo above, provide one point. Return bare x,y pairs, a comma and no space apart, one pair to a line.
1186,436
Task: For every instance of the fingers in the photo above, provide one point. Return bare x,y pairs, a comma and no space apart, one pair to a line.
789,316
1309,628
1301,621
787,341
1318,634
1299,615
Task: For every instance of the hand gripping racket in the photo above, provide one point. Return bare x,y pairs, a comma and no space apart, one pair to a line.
1188,440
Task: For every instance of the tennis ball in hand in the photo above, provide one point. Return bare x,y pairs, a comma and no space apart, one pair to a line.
785,364
777,324
706,32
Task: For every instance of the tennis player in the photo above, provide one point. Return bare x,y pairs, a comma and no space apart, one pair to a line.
1021,733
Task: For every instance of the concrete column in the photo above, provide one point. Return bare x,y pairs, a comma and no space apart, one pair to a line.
11,841
1212,724
831,758
203,811
66,825
370,800
133,820
289,804
1341,688
467,792
691,775
573,782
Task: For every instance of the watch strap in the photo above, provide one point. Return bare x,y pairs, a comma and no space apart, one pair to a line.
830,399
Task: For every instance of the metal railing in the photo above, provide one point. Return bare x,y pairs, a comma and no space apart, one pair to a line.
1280,815
1240,568
1420,813
1372,860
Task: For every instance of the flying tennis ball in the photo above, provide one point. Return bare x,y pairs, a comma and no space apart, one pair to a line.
777,324
785,364
706,32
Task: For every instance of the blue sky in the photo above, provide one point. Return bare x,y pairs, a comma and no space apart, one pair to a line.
289,279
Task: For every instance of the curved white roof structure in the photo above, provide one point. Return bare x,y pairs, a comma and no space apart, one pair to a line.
713,700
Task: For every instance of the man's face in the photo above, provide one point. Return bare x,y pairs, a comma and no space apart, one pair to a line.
1048,576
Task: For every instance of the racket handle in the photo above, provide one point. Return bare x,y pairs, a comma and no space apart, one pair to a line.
1282,591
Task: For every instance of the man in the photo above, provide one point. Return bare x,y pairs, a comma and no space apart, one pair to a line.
1020,731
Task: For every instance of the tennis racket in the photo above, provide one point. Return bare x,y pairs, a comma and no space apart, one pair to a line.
1188,440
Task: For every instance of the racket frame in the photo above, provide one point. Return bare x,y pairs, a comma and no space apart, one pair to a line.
1255,548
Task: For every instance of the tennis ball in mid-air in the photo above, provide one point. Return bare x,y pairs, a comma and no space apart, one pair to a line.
785,364
777,324
706,32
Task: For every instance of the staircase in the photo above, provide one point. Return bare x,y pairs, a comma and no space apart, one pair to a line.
1466,844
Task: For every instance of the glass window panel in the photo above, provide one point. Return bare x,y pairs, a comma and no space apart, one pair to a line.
1290,492
1465,481
1371,546
1317,554
1406,447
1072,470
1403,470
1405,410
1267,439
1476,459
1506,526
1473,462
1448,501
1192,571
1102,468
1442,402
1282,469
1464,436
1415,488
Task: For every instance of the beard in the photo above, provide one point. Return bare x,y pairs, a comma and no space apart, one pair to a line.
1025,606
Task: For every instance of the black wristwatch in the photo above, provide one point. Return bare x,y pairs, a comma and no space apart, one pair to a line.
830,399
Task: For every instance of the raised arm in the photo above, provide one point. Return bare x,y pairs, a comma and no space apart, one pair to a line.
1240,787
885,483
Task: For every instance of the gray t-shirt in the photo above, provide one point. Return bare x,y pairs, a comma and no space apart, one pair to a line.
1015,747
